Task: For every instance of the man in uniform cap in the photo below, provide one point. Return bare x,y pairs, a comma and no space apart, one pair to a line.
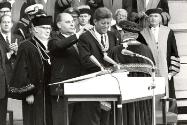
162,42
33,67
22,27
5,8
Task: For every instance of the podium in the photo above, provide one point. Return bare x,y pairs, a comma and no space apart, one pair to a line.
110,87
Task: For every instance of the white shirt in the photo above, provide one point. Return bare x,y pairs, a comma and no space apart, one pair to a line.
98,36
9,37
9,40
155,31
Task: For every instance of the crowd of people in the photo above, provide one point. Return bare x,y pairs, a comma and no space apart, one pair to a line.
82,40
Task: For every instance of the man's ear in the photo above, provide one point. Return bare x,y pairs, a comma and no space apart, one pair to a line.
58,25
94,21
35,29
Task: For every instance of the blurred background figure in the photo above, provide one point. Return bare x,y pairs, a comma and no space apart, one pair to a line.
85,17
120,15
22,28
5,8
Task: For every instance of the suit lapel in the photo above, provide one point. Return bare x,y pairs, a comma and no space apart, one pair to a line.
3,43
92,33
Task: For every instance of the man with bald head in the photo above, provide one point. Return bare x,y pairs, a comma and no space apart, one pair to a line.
65,63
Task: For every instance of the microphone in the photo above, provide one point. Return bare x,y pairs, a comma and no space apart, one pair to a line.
130,53
127,52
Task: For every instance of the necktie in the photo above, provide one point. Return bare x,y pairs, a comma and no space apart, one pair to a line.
102,40
7,40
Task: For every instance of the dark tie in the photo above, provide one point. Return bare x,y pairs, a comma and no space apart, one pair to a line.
102,40
7,41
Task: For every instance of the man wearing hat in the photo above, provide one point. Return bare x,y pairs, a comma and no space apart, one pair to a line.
133,41
5,8
33,67
85,17
22,27
162,43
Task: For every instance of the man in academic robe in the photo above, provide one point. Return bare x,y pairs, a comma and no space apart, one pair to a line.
65,64
9,46
32,68
161,40
93,48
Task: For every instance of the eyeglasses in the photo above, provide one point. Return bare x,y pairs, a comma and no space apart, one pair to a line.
4,11
45,28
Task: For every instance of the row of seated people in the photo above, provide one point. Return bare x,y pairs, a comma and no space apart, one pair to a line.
70,53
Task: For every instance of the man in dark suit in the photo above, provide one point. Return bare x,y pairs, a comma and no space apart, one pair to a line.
93,48
65,63
120,15
9,47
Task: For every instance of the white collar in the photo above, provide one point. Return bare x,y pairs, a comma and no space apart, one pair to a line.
118,27
9,36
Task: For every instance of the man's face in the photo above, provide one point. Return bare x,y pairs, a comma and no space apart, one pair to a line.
84,19
102,25
154,19
43,31
6,24
4,11
67,24
122,15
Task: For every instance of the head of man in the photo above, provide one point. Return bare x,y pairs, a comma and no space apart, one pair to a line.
85,15
120,15
74,13
5,8
102,19
65,23
6,24
42,27
154,16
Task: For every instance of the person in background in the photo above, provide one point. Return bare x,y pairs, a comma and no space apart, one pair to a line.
5,8
22,28
8,50
93,48
65,64
120,15
161,40
85,17
32,68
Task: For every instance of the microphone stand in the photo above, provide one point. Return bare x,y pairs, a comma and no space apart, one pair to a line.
153,86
